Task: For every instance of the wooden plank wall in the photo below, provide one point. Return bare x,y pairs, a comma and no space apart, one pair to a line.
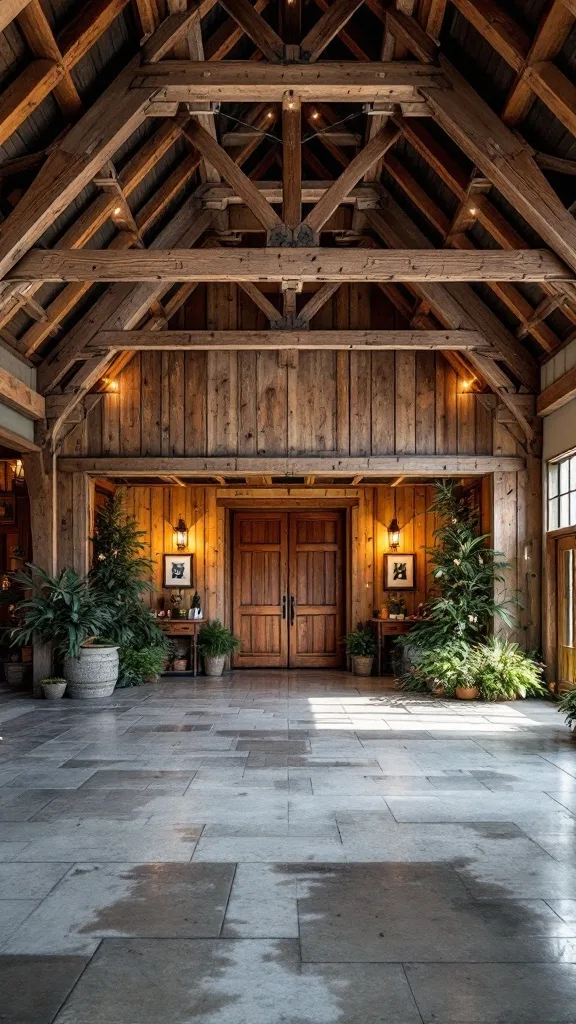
249,403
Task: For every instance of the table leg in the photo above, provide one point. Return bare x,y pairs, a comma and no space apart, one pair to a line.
379,662
195,652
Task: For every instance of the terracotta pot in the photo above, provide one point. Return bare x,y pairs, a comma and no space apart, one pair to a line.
362,665
180,664
53,691
466,692
436,689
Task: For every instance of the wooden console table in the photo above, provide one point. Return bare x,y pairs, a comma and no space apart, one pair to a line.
184,627
386,628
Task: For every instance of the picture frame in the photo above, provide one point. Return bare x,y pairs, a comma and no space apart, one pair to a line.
399,570
7,508
178,572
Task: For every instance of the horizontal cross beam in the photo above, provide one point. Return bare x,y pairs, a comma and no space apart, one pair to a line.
413,465
291,264
253,81
230,340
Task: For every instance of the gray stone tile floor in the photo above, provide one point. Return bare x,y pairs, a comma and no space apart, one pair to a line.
286,848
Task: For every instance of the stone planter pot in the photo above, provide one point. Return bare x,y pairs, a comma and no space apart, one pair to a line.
53,691
180,664
214,666
466,692
93,674
362,665
14,672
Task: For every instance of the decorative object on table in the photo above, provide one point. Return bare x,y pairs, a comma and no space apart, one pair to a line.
69,613
53,688
195,607
360,644
7,508
464,572
216,643
399,571
181,534
396,607
179,664
176,602
178,571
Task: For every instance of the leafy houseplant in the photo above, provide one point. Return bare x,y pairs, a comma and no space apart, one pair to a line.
464,571
567,707
120,573
501,671
360,644
139,666
215,643
68,613
441,670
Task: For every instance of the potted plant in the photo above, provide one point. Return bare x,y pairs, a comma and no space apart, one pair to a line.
567,707
360,644
215,643
442,670
14,670
143,665
501,671
68,613
53,688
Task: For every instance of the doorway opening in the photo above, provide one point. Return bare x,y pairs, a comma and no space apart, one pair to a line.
288,585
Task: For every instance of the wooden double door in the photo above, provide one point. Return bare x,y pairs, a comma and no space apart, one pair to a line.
288,588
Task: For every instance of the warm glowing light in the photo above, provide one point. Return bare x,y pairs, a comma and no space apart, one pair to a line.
394,534
467,384
110,385
315,115
473,211
270,114
181,531
18,470
117,210
290,105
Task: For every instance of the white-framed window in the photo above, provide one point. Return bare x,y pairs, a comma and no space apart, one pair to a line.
562,492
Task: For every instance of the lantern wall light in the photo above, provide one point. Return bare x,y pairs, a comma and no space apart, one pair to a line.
394,534
181,533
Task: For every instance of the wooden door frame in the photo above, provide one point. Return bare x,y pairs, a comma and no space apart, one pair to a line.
550,603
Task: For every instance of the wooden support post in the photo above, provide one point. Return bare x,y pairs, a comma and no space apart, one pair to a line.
291,160
40,474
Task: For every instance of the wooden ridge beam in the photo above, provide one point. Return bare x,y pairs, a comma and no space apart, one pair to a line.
420,465
238,81
290,264
286,339
219,196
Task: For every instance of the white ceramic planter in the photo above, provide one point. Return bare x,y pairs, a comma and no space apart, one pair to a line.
93,674
214,666
53,691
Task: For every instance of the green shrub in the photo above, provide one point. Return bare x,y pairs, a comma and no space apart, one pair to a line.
139,664
567,707
441,669
216,640
502,671
360,642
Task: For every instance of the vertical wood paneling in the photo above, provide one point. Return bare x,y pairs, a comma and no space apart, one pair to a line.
271,395
131,408
196,394
405,403
151,396
425,403
382,400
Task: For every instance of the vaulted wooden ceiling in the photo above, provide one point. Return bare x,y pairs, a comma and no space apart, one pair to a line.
426,146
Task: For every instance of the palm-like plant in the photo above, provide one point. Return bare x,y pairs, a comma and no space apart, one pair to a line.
63,610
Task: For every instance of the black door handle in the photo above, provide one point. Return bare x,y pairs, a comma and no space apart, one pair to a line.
292,610
284,606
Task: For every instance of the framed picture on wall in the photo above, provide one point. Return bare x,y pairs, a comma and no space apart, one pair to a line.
7,508
178,571
399,571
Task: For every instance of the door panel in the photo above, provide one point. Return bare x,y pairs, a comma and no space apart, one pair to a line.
316,586
566,604
260,584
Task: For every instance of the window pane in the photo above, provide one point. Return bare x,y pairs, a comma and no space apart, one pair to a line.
564,510
564,476
553,480
572,508
553,514
573,473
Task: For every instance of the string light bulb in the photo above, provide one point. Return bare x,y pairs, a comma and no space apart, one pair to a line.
117,211
473,211
314,115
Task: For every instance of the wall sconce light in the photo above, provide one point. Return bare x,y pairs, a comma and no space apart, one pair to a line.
181,531
110,385
394,534
19,471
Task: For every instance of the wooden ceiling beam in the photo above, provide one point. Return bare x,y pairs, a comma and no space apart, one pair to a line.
231,172
291,264
370,466
260,300
350,177
344,35
291,159
226,37
238,81
327,28
260,32
9,10
286,339
36,30
557,394
318,300
553,30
